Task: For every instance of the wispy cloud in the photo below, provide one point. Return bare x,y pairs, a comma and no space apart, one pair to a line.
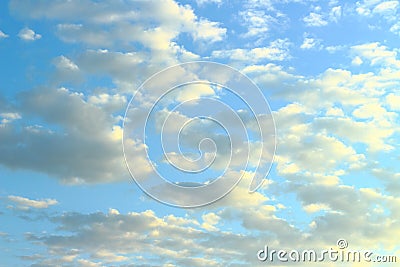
26,203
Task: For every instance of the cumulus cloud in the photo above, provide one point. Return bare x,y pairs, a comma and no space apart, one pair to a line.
27,34
83,149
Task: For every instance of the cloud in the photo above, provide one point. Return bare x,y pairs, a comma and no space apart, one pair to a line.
352,116
315,20
277,50
206,2
66,71
151,24
393,101
357,61
65,63
309,43
333,127
83,137
3,35
185,240
387,7
259,17
335,14
27,34
26,203
9,117
386,10
312,208
377,54
177,240
209,221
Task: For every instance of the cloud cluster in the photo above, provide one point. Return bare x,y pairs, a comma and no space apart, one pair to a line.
151,24
80,142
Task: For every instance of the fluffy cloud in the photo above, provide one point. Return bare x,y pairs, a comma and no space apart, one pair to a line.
309,43
27,34
77,144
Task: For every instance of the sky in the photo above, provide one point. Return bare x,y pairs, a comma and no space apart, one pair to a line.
329,71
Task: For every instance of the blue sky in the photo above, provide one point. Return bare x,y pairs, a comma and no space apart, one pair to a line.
329,69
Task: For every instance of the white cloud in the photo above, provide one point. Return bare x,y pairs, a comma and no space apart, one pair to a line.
194,91
27,34
208,31
386,7
393,101
309,43
370,110
335,14
9,117
152,24
311,208
387,10
395,28
357,61
277,50
259,17
257,22
377,54
3,35
206,2
209,221
26,203
334,48
65,63
334,111
315,20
